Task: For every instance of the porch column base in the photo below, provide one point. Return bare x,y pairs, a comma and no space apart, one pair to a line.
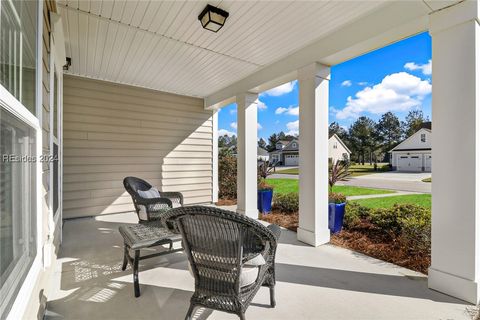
313,238
249,213
453,285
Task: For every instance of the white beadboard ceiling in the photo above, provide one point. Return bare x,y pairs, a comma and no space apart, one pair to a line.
161,44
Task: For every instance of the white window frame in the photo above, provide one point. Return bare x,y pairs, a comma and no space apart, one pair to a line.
9,103
55,218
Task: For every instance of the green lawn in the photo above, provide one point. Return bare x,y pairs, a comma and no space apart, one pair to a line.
355,169
288,171
424,200
291,185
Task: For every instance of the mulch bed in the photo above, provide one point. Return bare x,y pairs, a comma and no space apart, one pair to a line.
367,239
226,202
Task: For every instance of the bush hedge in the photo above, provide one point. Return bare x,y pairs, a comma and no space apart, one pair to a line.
227,176
410,224
286,202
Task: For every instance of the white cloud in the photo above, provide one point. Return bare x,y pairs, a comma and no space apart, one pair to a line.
346,83
293,111
223,132
397,92
293,128
261,105
233,111
281,90
362,83
426,68
233,125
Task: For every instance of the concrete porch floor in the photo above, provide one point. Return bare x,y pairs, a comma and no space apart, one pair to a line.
326,282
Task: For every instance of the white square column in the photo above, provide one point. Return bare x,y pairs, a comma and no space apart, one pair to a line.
455,267
313,83
247,154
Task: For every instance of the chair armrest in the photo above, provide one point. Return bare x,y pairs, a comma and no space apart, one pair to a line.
175,197
152,201
275,230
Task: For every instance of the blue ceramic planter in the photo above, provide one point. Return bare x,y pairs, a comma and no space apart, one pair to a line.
336,211
264,204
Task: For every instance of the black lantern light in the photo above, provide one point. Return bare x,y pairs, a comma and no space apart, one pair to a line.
213,18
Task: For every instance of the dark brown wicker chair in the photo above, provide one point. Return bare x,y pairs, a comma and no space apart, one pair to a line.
150,209
221,247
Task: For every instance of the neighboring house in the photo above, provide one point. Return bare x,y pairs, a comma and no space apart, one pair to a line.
415,153
262,154
287,152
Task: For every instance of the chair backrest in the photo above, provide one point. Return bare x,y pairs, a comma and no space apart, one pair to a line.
132,185
216,241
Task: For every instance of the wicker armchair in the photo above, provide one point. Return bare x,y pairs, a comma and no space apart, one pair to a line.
150,209
231,256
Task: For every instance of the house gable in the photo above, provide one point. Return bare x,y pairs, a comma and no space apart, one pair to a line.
341,145
292,146
420,140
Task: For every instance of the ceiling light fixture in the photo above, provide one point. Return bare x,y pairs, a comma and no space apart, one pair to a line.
213,18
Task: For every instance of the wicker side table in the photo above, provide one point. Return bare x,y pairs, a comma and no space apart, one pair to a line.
141,236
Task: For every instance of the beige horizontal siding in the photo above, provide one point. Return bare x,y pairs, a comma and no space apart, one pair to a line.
112,131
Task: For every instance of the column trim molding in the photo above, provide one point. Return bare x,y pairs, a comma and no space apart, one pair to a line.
453,16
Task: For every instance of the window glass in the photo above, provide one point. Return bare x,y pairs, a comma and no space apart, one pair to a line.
423,137
55,105
17,205
17,49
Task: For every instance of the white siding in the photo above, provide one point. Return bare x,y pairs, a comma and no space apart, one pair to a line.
112,131
415,142
336,150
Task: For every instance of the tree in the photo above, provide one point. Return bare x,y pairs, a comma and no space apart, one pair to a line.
282,136
413,122
335,128
361,134
262,144
272,142
388,132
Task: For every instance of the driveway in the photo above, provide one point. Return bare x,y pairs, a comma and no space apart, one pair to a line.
398,181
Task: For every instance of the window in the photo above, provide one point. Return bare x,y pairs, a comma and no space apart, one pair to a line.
334,145
423,137
294,145
18,156
18,50
17,205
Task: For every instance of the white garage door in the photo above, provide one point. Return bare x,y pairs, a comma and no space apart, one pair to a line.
409,163
428,163
291,160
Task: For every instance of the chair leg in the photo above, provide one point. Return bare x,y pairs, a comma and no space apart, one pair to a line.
136,285
241,315
190,312
272,297
125,259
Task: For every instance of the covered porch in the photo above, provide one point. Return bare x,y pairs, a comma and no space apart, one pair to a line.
325,282
141,98
149,88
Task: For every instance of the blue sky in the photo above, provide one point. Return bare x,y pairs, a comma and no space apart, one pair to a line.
396,78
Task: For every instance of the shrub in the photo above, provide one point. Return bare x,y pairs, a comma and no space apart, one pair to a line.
416,230
409,224
397,218
227,176
336,198
286,202
354,213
